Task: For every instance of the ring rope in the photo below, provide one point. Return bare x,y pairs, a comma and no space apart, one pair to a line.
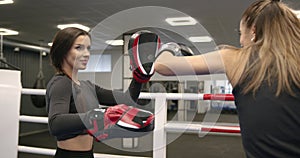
168,96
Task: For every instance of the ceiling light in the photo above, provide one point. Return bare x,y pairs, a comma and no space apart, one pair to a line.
6,1
44,53
115,42
181,21
200,39
85,28
4,31
297,12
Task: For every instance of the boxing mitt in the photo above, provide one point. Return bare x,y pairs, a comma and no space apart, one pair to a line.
119,121
142,47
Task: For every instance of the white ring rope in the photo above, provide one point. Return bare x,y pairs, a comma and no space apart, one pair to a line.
169,126
33,91
172,96
33,119
168,96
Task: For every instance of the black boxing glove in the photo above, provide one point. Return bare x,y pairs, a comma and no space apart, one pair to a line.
177,49
142,47
119,121
95,122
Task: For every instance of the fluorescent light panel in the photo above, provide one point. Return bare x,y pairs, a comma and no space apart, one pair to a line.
5,32
110,42
6,1
181,21
115,42
63,26
200,39
297,12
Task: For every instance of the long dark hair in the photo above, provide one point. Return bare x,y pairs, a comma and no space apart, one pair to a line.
62,43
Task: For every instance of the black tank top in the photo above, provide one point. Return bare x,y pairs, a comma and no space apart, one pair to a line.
270,125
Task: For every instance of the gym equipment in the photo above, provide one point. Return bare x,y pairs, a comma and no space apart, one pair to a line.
39,100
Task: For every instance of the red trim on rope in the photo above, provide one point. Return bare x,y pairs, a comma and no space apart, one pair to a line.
226,97
221,130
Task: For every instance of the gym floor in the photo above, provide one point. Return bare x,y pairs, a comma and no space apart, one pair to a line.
185,145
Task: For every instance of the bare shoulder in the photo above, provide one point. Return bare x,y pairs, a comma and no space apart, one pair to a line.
231,60
229,52
229,55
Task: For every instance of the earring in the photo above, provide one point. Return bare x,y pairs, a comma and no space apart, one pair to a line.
252,39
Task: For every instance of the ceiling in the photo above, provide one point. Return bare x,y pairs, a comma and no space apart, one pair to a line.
37,20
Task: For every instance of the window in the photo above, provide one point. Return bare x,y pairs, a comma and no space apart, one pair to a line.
98,63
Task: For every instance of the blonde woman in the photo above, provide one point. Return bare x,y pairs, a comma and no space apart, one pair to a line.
265,74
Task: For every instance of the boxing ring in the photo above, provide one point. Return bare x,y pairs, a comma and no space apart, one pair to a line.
162,126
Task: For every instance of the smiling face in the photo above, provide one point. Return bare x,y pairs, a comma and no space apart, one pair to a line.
78,55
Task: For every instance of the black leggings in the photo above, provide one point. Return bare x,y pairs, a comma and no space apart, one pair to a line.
62,153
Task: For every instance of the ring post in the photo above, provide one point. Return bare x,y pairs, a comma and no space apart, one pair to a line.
10,98
160,135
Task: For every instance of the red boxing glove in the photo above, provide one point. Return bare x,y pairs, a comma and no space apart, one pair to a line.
120,121
142,48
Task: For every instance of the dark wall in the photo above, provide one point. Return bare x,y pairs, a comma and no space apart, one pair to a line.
29,63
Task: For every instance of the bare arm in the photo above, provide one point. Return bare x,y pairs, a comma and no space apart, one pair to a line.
209,63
